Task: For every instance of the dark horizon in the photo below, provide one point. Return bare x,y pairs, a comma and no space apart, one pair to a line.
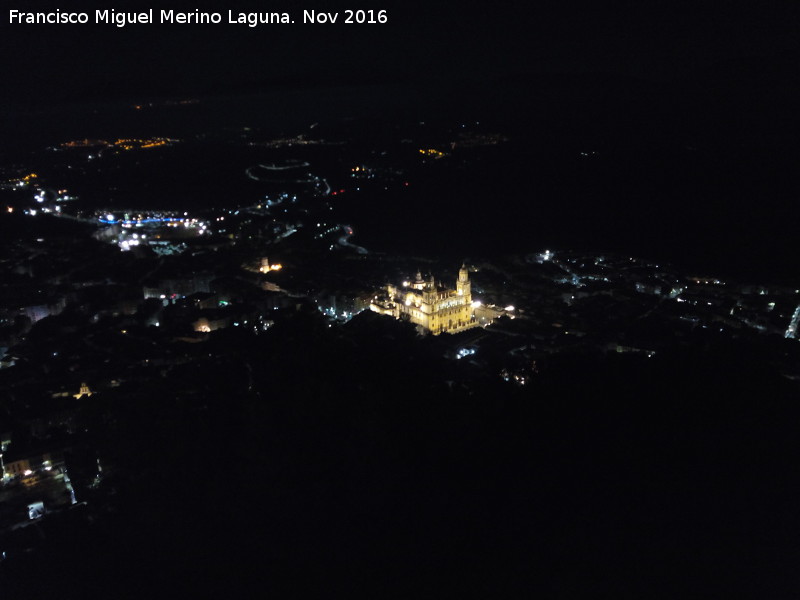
420,42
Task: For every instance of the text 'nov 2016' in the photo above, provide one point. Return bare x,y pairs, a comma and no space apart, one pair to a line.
196,17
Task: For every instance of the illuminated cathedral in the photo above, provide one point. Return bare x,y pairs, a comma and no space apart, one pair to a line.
431,306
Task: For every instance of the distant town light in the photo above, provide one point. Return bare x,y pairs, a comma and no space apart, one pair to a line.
510,308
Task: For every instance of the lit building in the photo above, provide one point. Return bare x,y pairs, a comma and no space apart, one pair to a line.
429,305
84,391
266,267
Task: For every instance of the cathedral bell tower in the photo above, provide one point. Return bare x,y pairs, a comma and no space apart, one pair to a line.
462,284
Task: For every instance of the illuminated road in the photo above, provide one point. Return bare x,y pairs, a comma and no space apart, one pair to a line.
344,241
250,171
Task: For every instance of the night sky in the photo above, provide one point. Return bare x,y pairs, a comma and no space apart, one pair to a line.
422,41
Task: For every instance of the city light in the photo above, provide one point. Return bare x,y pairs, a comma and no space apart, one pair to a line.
433,152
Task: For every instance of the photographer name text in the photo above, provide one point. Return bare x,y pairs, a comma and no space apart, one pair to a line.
197,17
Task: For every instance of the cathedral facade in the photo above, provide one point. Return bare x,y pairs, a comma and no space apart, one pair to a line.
433,307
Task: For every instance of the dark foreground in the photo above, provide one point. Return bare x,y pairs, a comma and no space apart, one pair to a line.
351,465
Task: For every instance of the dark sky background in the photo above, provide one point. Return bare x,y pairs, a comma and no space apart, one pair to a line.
423,41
